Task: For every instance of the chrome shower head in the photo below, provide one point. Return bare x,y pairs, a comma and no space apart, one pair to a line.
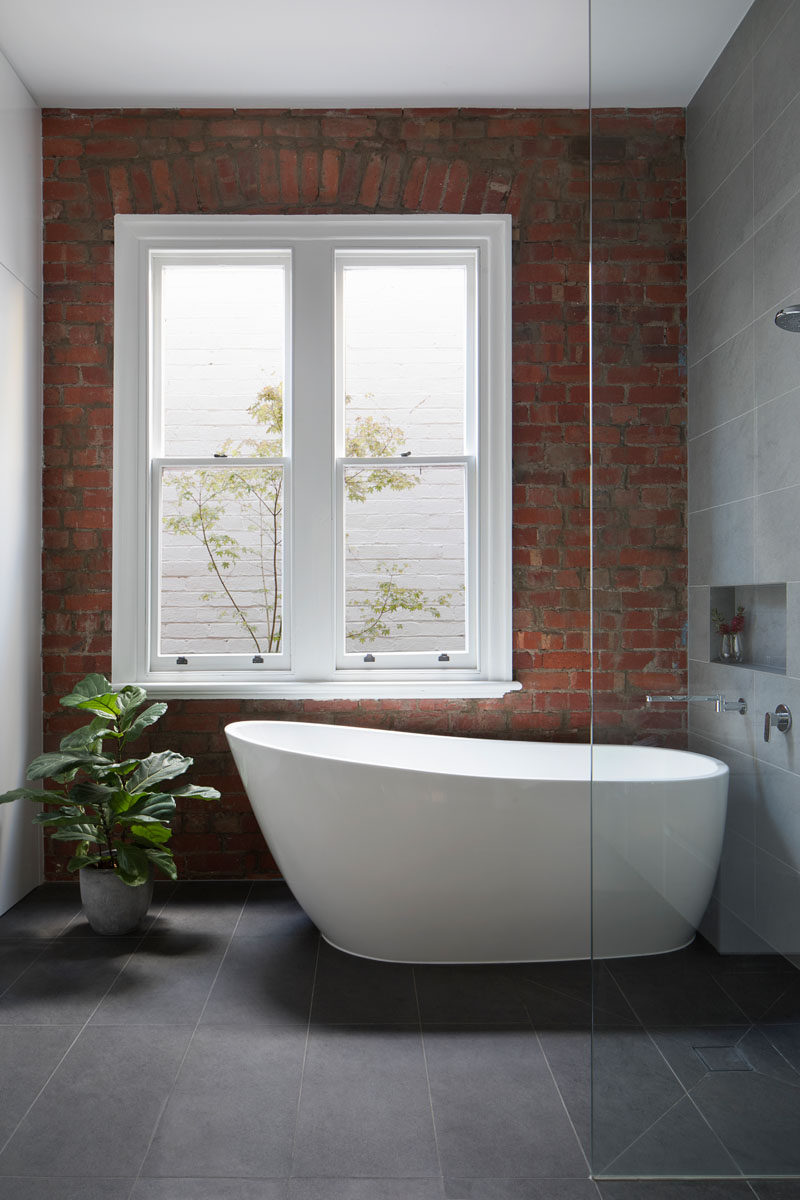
789,318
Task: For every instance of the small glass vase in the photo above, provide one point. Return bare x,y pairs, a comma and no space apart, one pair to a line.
725,648
736,648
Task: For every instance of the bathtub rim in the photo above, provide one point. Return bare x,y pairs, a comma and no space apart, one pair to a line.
720,768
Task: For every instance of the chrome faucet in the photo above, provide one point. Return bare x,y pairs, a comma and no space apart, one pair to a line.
718,700
781,720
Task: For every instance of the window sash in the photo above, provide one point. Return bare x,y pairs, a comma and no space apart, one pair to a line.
311,531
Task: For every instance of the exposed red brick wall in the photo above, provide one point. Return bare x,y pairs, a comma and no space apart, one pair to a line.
533,165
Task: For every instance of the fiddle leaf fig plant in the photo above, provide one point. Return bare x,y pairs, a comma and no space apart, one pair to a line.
114,806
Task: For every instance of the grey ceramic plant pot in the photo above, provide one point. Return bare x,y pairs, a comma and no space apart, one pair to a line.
111,906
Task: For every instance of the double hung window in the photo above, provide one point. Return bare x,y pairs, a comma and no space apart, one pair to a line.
312,442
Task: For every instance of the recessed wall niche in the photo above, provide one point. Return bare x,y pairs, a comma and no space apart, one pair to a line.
764,633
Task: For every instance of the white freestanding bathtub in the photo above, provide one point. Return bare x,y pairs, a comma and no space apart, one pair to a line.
418,848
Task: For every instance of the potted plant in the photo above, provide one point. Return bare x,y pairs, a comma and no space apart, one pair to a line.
115,807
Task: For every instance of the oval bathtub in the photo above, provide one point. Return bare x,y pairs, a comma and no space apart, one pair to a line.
419,848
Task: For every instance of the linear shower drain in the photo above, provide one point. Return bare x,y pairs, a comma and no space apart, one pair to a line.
722,1058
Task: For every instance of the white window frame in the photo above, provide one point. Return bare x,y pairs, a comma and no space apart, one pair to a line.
310,666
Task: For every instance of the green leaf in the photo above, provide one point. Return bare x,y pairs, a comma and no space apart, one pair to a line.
200,793
91,793
59,819
162,858
29,794
57,763
153,832
78,861
83,832
129,699
87,737
105,706
87,689
117,768
159,807
148,717
156,767
132,865
120,801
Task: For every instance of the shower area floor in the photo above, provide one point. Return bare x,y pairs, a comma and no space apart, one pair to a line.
228,1053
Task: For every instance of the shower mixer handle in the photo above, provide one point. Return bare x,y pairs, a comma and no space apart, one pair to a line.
718,700
781,719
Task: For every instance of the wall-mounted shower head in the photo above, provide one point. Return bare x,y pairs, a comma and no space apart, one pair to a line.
789,318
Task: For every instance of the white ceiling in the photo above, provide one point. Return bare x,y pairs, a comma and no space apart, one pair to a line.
363,53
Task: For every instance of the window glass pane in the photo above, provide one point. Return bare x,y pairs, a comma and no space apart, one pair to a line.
222,343
405,559
221,561
405,359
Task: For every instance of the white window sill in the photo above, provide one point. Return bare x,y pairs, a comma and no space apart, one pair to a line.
372,690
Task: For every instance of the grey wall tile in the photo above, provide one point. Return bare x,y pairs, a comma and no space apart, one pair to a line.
727,728
778,443
720,79
777,356
775,70
777,544
777,259
98,1188
721,145
721,544
722,224
736,882
778,814
366,1189
722,305
777,164
782,749
721,384
742,785
777,904
793,629
211,1189
721,464
760,20
699,608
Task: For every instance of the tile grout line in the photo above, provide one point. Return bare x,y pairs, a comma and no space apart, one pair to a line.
560,1095
427,1077
305,1059
80,1032
179,1067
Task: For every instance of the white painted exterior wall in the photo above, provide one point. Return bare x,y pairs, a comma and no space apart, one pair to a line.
20,479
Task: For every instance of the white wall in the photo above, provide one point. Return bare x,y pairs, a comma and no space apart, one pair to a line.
20,478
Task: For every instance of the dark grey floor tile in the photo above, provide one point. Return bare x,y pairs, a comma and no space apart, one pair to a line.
96,1115
65,1189
631,1088
573,995
678,992
679,1143
211,1189
16,957
680,1048
264,981
777,1189
786,1040
569,1056
202,907
28,1056
365,1109
520,1189
65,983
763,996
271,908
43,913
232,1111
359,991
675,1189
365,1189
166,981
497,1111
469,995
786,1006
756,1117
